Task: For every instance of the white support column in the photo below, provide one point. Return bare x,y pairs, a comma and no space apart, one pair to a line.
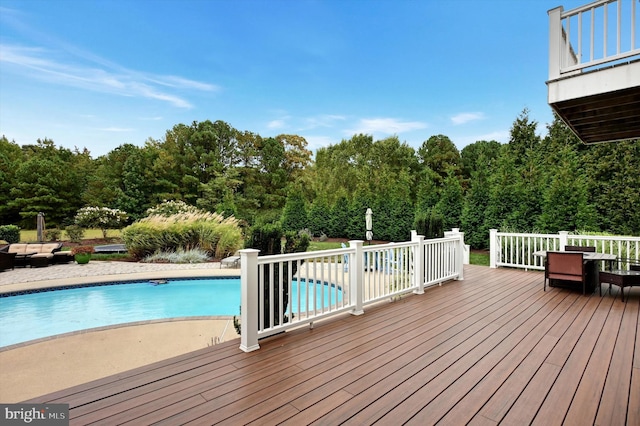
564,239
418,262
555,42
357,278
249,300
493,248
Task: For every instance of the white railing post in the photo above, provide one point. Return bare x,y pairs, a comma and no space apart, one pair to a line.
249,300
493,248
418,262
564,239
455,232
356,288
555,42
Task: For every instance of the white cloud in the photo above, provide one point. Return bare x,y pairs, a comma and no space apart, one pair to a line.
100,76
387,126
465,117
323,120
276,124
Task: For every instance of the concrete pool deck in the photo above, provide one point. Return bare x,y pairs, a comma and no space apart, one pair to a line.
42,366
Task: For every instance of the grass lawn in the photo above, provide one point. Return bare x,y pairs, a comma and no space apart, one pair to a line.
481,259
323,245
475,258
31,235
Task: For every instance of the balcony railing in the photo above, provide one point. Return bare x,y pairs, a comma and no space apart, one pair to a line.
285,291
601,32
516,250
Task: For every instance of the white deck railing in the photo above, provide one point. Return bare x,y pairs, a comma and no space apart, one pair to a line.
306,287
598,33
516,249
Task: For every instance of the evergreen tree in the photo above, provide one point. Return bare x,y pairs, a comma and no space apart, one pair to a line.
565,201
339,218
319,216
294,215
11,156
475,207
451,202
612,171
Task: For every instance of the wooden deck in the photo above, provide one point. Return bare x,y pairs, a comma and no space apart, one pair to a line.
491,349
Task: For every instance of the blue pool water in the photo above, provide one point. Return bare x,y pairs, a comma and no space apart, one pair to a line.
36,315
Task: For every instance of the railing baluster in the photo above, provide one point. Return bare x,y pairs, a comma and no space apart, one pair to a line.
633,25
619,35
580,37
592,31
606,29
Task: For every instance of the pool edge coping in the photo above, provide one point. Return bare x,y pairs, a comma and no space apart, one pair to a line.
128,276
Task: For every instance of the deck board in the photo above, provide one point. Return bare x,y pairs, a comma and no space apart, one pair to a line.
492,349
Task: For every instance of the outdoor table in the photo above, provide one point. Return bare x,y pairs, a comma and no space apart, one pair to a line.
587,255
592,259
621,278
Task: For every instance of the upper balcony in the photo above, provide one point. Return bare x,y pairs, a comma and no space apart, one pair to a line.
594,69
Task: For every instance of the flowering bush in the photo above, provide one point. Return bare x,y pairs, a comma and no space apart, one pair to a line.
170,207
82,250
102,218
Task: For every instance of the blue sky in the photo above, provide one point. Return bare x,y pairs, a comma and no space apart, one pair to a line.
98,74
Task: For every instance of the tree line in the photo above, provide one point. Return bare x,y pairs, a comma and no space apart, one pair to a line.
530,184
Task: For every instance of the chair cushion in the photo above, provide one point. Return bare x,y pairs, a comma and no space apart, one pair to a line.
18,248
49,247
565,277
43,255
33,248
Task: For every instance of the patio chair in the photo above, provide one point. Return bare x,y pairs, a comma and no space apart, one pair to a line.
565,266
586,249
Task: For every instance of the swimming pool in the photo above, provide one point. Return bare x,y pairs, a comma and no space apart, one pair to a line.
37,315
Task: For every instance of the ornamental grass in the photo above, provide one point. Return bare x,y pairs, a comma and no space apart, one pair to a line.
211,232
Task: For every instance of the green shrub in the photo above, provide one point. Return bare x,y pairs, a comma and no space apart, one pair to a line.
53,234
10,233
211,232
75,233
429,223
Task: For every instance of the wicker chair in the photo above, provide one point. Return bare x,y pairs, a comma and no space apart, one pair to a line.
7,260
565,266
586,249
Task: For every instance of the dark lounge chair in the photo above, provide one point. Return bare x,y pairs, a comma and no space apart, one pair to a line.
7,260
